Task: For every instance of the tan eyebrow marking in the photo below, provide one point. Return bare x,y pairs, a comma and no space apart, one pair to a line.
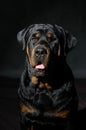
37,35
49,35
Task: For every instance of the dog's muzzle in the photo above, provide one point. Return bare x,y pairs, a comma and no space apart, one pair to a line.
40,52
39,59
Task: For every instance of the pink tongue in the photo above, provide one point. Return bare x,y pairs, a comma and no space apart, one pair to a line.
41,66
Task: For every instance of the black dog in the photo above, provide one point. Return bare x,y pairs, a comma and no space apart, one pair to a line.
47,94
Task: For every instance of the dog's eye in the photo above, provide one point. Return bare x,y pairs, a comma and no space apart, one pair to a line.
50,37
37,35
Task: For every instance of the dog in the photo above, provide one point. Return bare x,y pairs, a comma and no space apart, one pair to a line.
47,94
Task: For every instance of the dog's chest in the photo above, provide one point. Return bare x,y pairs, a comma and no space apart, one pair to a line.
47,100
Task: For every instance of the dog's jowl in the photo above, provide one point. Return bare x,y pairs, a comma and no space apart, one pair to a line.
47,95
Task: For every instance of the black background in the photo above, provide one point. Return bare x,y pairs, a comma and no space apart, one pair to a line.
16,15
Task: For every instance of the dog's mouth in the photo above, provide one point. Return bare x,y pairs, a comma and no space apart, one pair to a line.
40,70
40,66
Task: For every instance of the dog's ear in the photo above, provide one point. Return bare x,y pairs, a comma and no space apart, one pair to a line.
21,37
70,43
66,38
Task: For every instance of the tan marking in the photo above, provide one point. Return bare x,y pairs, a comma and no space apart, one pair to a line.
34,80
62,114
59,51
41,85
48,86
30,57
27,50
27,109
45,85
49,35
37,35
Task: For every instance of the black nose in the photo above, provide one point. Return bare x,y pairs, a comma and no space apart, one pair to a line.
40,52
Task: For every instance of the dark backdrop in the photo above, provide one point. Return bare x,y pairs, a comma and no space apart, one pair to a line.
16,14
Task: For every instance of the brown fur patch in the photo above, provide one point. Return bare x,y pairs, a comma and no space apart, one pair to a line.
30,56
48,86
37,35
27,109
62,114
41,85
34,80
45,85
59,51
27,50
32,60
49,35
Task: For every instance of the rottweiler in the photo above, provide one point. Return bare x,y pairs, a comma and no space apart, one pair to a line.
47,94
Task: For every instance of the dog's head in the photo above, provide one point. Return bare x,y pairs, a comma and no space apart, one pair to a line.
43,43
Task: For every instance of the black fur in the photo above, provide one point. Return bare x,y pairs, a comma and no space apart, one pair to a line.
49,90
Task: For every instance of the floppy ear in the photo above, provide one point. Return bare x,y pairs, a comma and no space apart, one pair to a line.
70,43
21,37
66,38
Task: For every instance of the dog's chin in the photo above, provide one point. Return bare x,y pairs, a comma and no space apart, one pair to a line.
39,73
